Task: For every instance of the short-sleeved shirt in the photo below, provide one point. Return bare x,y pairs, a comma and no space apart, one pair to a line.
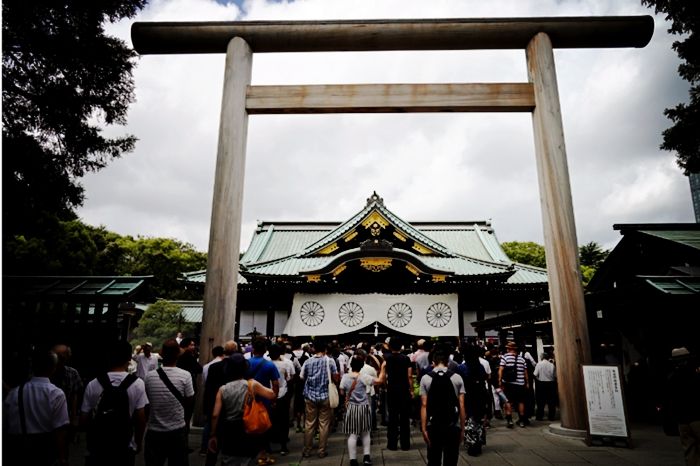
45,408
68,379
397,366
359,395
145,364
372,372
315,375
286,370
167,413
510,359
427,380
136,393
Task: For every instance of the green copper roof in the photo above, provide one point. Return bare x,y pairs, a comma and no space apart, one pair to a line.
688,237
75,285
466,249
681,285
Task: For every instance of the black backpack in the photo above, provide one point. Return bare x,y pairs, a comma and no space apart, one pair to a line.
510,371
111,428
443,408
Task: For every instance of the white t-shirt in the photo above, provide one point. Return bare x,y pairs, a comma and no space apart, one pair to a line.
144,364
372,372
136,393
167,413
287,371
45,408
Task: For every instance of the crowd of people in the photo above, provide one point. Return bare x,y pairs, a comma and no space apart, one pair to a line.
144,401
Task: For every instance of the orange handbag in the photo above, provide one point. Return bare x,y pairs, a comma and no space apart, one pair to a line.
256,419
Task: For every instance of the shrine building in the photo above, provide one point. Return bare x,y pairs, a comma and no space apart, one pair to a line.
376,274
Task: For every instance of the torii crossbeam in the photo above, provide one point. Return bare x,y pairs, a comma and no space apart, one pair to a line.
537,36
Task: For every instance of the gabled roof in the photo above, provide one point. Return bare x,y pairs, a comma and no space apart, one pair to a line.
293,250
373,211
647,253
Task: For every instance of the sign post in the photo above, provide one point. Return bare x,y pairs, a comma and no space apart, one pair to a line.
605,406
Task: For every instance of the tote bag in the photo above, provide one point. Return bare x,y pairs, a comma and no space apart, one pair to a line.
333,398
256,419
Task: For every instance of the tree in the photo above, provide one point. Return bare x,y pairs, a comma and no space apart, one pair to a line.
683,137
162,320
592,255
63,81
75,248
527,252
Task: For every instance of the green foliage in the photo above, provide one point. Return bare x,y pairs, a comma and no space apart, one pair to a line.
74,248
164,258
162,320
528,253
63,81
684,137
592,255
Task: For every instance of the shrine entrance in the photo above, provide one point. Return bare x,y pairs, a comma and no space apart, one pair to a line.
539,96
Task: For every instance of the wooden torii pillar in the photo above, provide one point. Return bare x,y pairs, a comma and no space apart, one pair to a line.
537,36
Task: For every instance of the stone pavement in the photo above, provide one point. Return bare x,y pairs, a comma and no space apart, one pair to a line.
533,445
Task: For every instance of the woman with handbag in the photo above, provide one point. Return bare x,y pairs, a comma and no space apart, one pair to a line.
229,434
358,415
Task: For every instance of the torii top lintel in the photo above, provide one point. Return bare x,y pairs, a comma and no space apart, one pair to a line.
377,35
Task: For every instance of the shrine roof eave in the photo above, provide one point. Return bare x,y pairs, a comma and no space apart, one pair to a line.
375,203
358,254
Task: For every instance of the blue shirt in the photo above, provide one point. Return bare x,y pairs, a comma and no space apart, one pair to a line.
263,371
315,375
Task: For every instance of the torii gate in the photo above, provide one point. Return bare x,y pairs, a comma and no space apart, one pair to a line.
539,96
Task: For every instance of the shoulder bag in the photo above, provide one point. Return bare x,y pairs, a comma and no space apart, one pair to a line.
347,397
333,398
256,419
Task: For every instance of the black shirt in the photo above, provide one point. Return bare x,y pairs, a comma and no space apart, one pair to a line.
397,366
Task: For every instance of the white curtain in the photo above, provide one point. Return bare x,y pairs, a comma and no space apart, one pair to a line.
334,314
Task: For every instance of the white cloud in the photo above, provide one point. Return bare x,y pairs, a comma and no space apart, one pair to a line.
427,167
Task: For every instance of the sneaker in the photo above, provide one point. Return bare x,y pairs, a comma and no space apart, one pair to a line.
521,423
367,461
354,463
509,424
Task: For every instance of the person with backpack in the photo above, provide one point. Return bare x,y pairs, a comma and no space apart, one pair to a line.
476,399
171,396
513,380
442,411
113,411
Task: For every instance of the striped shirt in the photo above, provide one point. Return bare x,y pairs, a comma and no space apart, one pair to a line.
167,414
510,359
315,373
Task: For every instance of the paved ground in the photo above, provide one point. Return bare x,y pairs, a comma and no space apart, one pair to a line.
533,445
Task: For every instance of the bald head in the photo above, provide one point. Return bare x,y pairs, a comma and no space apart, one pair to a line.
230,347
63,353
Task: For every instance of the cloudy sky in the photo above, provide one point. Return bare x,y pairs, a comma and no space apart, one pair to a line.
450,167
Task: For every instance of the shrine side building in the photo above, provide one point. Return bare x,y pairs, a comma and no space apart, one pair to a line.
377,274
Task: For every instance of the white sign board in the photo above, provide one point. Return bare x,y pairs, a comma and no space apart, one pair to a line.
604,403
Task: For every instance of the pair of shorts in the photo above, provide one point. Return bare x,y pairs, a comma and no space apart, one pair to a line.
515,393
